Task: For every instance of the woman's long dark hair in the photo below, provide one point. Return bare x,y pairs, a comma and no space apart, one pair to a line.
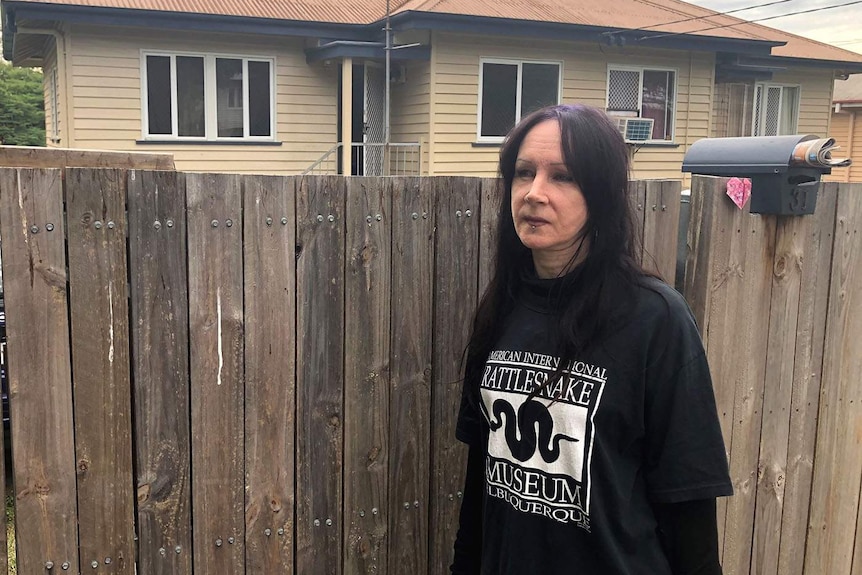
597,158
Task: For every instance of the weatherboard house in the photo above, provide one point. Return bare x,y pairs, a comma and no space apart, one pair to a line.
291,87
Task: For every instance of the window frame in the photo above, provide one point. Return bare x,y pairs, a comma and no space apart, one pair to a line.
641,70
520,64
210,97
764,88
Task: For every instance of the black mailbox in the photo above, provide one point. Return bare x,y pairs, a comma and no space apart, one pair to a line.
779,185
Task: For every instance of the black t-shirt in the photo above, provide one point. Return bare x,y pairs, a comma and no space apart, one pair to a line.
571,473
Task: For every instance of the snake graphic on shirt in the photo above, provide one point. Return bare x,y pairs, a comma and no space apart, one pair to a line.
531,416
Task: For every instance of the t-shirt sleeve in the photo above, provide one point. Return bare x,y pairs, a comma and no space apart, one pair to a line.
684,448
469,426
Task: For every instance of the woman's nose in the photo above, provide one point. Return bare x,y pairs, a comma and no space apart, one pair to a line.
536,194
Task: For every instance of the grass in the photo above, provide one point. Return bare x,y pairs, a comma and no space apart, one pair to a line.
10,534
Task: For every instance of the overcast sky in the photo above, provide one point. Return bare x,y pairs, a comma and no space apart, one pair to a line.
841,27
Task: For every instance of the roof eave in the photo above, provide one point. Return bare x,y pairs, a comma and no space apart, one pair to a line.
339,49
187,21
840,66
487,25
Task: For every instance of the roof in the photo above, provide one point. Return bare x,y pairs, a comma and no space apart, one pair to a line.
848,91
649,19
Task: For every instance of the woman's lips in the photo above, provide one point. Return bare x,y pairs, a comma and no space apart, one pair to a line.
533,221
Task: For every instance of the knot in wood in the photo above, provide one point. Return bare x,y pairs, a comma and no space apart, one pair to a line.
367,254
780,268
334,421
83,465
275,505
143,492
373,453
42,488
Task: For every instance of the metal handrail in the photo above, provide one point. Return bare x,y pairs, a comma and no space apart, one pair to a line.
400,158
322,158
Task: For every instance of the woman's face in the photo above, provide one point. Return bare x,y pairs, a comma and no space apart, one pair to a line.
548,207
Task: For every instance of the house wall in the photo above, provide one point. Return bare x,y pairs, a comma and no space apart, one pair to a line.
48,66
455,96
106,99
410,119
847,130
815,97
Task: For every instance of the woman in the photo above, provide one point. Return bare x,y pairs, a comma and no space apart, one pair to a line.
594,443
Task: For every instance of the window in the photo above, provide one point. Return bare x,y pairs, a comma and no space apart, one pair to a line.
776,110
192,96
54,102
510,90
646,93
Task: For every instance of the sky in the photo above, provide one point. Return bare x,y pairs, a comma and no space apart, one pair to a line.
841,27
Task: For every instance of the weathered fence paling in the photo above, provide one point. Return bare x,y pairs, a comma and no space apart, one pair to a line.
158,284
32,224
778,300
284,371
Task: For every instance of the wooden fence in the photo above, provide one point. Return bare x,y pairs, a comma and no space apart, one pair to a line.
245,374
234,374
779,303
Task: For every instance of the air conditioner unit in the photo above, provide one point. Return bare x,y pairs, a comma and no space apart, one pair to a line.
635,130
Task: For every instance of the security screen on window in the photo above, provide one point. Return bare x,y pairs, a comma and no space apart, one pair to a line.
203,96
644,93
776,109
513,90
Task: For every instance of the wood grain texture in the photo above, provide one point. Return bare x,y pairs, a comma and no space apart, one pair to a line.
95,203
320,374
32,157
838,461
856,569
492,197
4,557
708,243
216,366
40,380
366,375
807,375
410,388
269,230
739,326
787,272
637,202
160,360
661,227
455,292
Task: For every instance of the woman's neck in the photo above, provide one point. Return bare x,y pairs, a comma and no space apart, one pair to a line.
554,264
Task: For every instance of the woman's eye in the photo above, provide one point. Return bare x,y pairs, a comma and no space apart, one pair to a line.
564,178
524,173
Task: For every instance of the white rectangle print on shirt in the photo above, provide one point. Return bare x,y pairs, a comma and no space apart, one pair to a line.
539,448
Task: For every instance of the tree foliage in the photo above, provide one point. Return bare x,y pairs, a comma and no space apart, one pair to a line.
22,106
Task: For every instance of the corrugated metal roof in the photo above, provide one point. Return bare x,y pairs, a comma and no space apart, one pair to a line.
330,11
849,90
654,15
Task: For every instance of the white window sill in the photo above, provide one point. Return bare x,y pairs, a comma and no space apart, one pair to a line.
237,142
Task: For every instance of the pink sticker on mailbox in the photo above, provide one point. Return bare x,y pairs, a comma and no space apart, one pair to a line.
739,190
